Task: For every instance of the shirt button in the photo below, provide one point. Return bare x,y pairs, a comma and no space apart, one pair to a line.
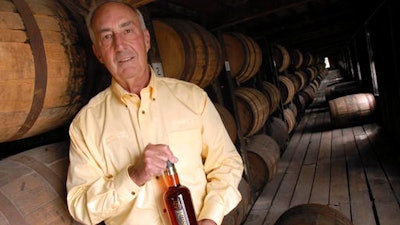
143,112
133,193
157,177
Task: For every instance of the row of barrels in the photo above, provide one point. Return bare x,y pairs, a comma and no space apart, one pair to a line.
263,151
289,59
184,43
292,83
263,103
263,156
256,106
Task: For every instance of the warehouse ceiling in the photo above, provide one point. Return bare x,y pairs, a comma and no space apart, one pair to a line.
319,26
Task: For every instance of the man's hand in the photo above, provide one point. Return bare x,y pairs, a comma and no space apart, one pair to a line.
152,163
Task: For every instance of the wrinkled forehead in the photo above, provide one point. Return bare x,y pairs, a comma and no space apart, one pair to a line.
113,12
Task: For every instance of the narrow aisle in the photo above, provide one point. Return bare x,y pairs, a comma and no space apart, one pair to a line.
349,169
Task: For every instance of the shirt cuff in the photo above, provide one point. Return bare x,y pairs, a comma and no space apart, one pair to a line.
124,186
213,211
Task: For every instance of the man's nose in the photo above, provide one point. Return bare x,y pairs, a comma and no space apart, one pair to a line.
118,40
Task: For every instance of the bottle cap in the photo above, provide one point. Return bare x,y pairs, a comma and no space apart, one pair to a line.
170,170
169,164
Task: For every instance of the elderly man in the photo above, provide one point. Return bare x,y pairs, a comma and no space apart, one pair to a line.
122,139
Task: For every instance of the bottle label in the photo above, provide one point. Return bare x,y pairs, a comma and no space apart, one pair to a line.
180,212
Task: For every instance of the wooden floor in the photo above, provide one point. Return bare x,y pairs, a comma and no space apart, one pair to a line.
353,169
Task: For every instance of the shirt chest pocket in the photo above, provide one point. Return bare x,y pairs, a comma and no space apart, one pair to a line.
186,145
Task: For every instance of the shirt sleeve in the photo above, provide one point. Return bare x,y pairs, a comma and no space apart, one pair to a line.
223,166
93,196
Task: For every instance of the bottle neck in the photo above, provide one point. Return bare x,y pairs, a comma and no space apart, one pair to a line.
171,176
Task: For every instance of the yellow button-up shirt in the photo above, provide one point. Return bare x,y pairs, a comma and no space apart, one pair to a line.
111,131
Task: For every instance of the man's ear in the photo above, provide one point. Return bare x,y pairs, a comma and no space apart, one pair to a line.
97,54
147,40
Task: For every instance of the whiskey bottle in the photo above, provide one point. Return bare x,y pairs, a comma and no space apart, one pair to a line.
177,199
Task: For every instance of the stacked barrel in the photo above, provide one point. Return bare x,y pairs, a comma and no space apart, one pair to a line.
42,69
299,76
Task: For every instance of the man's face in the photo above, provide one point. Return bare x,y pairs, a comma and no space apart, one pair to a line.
120,41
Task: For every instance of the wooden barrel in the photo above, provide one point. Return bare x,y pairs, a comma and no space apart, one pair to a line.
238,214
258,171
290,119
294,108
352,109
313,214
228,120
286,88
297,81
253,109
302,101
296,58
32,186
277,129
188,51
263,155
42,68
314,85
281,57
308,59
310,73
302,77
273,94
244,55
310,90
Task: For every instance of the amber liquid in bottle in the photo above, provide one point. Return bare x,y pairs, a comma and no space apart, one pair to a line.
177,199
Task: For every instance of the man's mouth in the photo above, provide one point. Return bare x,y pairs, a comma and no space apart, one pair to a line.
126,59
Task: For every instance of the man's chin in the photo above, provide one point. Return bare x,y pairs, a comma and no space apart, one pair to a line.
129,72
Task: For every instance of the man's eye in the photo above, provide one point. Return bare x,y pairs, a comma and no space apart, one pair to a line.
107,37
128,31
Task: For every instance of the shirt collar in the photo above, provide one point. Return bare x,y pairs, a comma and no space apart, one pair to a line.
121,93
